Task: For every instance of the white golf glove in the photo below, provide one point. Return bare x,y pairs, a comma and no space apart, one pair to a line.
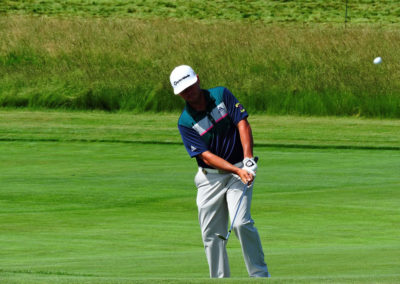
250,165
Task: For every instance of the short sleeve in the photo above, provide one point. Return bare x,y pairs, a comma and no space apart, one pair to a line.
191,139
235,109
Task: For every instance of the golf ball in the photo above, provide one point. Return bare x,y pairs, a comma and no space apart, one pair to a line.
378,60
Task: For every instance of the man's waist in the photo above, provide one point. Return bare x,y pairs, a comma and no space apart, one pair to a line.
218,171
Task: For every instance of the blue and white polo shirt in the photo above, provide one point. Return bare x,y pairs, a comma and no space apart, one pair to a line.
214,129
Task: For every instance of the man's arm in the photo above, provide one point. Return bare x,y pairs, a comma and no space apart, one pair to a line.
246,138
219,163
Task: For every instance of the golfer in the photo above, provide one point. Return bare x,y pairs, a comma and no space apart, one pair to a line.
215,130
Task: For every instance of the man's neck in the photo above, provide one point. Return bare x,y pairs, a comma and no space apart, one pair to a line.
200,104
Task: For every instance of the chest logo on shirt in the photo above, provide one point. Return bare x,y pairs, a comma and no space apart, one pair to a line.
205,124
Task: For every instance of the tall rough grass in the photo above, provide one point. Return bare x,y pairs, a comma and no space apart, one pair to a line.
124,64
268,11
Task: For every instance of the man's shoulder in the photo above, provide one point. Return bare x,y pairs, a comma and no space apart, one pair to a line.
185,119
217,92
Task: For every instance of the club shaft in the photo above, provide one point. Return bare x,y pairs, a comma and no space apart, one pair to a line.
237,210
238,207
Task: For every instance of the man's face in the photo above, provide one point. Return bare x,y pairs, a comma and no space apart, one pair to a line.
192,93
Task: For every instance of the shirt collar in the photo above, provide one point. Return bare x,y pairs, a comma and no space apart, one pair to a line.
210,103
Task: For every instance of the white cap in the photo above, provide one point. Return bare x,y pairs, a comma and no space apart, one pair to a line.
182,77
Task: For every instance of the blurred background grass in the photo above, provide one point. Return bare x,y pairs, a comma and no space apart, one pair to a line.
97,55
272,11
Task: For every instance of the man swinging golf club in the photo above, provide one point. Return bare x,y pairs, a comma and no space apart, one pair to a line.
215,130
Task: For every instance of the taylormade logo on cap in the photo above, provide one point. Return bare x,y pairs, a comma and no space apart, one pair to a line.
181,78
176,82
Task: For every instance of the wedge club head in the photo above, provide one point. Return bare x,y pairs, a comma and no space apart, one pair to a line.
222,237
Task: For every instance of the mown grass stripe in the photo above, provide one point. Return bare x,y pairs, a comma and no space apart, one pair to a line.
61,273
267,145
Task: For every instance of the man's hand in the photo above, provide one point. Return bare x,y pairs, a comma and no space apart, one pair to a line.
248,172
250,165
245,176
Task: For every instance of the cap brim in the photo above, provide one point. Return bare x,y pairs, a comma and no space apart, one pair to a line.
189,82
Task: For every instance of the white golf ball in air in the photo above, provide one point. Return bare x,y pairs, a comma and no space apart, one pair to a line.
378,60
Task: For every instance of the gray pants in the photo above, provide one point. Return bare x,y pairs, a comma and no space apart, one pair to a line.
217,199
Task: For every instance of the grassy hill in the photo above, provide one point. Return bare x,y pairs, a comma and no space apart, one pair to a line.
277,57
314,11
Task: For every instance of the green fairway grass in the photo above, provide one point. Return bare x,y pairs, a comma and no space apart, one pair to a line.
288,131
87,210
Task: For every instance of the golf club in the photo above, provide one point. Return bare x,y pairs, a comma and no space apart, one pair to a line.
237,210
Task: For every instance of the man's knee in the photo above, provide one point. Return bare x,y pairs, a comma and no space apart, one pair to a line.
243,226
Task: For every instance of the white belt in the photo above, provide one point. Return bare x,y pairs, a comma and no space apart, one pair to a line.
217,171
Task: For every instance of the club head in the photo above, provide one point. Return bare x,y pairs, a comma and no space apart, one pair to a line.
221,237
